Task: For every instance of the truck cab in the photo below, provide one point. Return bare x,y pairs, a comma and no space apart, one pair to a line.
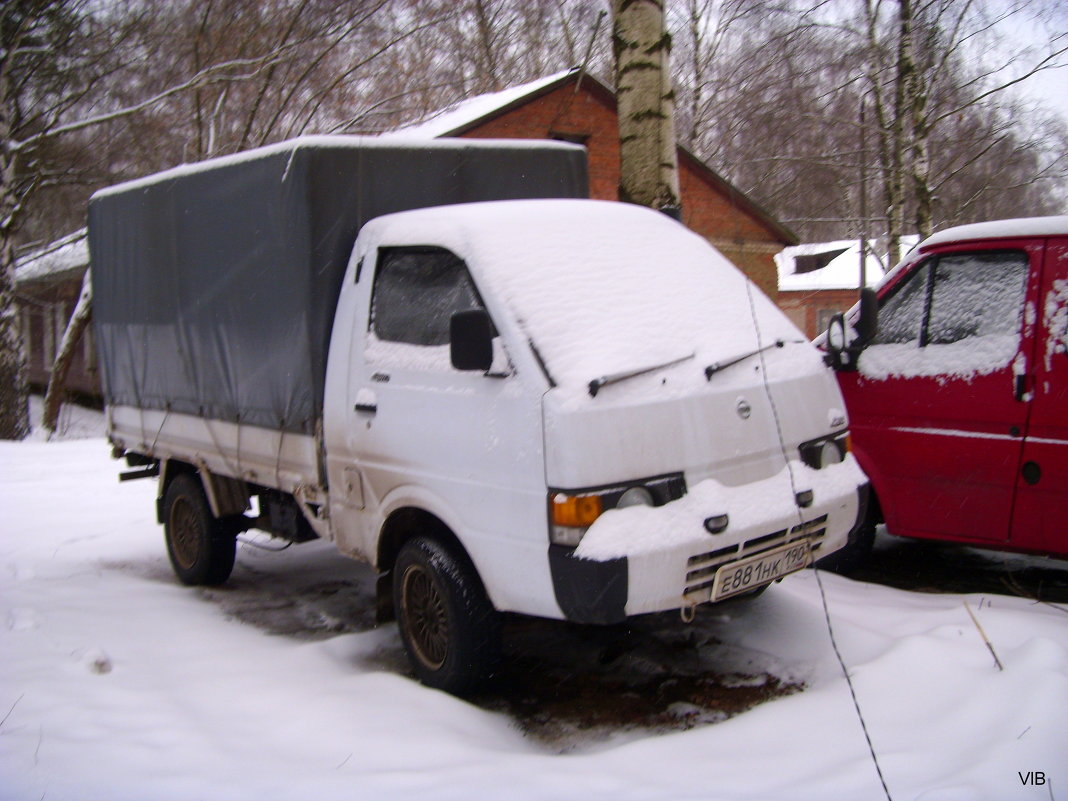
442,358
958,400
643,431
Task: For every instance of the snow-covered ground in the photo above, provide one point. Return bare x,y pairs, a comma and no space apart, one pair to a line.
118,683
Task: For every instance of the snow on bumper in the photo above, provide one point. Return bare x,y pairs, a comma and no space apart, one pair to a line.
648,559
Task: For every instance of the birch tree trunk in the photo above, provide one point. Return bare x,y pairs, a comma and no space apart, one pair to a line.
83,313
14,412
647,149
900,132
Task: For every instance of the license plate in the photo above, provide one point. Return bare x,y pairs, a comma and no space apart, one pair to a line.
748,574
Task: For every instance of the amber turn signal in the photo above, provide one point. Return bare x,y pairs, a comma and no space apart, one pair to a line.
576,510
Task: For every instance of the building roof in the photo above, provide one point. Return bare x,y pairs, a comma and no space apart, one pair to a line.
827,265
66,255
462,117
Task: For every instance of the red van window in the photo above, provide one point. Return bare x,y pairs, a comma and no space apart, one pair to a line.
955,314
953,297
976,294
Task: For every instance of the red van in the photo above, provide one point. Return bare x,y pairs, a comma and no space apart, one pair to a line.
958,394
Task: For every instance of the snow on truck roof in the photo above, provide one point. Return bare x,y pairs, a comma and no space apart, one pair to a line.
333,142
600,287
1001,229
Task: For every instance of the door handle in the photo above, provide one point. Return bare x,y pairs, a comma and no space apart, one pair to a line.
366,402
1020,386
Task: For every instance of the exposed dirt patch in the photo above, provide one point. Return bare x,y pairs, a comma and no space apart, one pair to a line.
308,599
568,687
591,708
572,686
924,566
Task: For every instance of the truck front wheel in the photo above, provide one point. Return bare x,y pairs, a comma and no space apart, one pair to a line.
450,629
200,547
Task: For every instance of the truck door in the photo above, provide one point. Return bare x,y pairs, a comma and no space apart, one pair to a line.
1040,517
937,411
463,445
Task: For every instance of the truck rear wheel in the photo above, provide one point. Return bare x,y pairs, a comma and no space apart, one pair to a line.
200,547
450,629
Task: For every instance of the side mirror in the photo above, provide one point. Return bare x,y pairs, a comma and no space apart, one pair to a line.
471,340
836,333
838,352
844,346
868,320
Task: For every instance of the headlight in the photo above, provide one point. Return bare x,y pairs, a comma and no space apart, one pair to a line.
831,453
635,496
571,512
825,451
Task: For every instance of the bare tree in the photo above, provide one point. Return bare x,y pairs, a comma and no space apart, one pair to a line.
775,103
244,72
947,63
42,53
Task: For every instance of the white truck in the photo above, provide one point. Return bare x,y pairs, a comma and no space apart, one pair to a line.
553,406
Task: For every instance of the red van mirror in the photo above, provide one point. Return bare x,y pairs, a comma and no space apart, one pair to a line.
868,320
838,351
844,343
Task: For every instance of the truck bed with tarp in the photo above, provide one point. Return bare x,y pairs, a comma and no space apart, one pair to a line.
215,283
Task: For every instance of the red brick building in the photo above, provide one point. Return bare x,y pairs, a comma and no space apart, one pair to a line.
577,107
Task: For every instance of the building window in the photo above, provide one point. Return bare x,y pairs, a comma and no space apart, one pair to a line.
823,319
573,138
815,261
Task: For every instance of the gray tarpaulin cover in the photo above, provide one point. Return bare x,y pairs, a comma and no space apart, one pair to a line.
215,284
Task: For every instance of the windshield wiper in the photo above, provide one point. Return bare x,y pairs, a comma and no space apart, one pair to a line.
712,369
615,378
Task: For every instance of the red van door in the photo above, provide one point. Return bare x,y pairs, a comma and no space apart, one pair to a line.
938,413
1040,518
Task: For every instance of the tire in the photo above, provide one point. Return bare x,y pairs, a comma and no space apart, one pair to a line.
200,547
450,630
751,594
855,554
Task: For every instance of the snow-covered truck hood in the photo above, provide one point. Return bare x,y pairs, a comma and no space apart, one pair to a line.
733,427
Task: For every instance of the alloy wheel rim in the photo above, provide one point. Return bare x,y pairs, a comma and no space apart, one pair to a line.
427,620
185,532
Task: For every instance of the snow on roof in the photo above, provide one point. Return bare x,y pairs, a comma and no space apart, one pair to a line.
1000,229
328,141
69,253
461,114
700,308
841,270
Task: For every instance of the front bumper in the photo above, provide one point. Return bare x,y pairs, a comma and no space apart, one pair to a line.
662,558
